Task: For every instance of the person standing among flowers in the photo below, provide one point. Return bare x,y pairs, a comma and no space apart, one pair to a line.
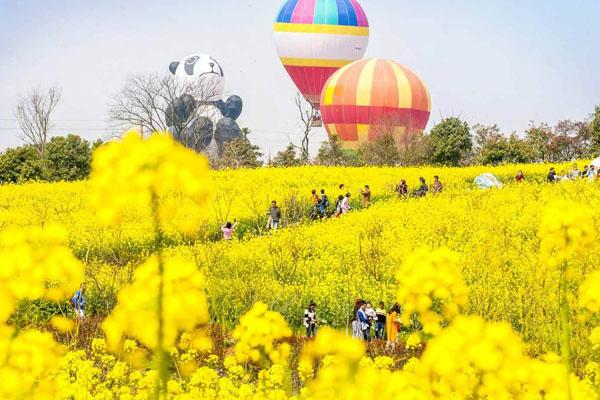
372,315
380,323
274,216
520,177
228,229
310,320
345,206
366,194
393,326
78,302
364,322
423,189
324,205
355,322
552,178
402,188
438,186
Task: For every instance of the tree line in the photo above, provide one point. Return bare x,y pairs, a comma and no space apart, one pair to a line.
451,142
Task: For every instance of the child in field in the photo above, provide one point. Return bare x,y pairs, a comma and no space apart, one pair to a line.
78,302
380,323
228,229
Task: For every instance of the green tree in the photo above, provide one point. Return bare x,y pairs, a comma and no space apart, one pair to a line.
240,153
286,157
538,137
67,158
383,151
21,164
451,141
331,153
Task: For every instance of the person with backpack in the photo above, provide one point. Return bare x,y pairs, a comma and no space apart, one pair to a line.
78,302
310,320
324,205
316,201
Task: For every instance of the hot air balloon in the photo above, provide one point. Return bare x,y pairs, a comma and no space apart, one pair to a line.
372,98
314,38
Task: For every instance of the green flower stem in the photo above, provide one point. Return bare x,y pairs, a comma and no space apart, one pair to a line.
565,342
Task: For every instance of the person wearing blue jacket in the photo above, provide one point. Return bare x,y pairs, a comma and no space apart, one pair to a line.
363,319
78,302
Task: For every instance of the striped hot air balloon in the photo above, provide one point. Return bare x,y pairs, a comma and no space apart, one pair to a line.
371,98
315,38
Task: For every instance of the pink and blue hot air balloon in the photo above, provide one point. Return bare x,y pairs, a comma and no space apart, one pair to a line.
315,38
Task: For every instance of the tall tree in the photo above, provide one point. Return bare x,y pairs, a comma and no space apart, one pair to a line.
240,153
451,141
34,116
286,157
68,158
538,137
331,153
383,151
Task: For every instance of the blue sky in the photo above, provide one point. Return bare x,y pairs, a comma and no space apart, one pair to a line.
505,62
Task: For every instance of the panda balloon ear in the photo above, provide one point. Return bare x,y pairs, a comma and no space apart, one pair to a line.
173,67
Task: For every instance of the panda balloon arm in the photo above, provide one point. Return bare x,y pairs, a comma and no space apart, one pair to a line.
233,107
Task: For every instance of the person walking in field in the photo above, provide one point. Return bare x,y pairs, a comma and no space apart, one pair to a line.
438,186
552,178
402,188
520,177
324,205
381,319
574,173
274,214
366,194
591,175
423,189
345,206
338,206
228,229
316,201
310,320
78,302
393,326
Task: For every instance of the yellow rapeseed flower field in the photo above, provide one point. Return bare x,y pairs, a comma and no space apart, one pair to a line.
499,288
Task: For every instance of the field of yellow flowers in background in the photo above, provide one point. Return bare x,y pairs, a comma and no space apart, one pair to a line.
499,289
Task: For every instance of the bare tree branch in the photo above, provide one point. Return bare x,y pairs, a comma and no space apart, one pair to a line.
33,114
308,115
146,103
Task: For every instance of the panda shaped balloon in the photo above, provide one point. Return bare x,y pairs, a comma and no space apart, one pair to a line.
199,117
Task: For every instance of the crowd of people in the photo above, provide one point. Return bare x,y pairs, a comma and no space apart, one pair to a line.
590,172
366,322
322,207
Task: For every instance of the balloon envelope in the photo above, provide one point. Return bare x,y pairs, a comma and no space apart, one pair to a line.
314,38
371,98
487,181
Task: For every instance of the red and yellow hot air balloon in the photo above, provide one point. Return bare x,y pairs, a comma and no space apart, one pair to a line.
314,38
371,98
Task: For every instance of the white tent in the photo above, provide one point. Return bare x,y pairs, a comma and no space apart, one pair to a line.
596,163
